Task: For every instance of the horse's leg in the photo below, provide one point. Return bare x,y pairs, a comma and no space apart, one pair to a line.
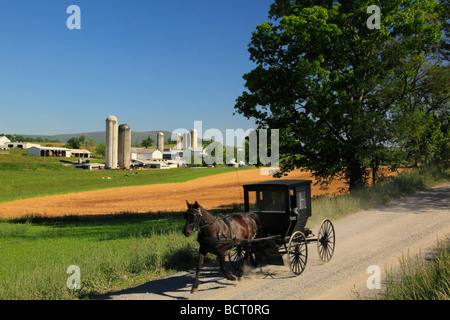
228,275
246,254
201,257
253,261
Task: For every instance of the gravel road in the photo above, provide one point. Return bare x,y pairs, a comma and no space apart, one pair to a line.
379,237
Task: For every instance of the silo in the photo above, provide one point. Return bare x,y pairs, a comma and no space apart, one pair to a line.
179,145
186,141
194,137
160,141
124,146
111,143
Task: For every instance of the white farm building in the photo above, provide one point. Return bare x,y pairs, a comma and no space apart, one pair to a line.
146,154
5,143
49,152
58,152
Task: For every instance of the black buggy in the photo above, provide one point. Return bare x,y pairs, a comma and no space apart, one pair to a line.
283,207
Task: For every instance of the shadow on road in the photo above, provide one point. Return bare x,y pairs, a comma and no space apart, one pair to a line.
430,199
177,286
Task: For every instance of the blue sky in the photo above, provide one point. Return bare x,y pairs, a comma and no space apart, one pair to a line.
154,64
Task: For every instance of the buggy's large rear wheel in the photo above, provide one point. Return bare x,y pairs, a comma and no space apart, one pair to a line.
236,256
297,253
326,240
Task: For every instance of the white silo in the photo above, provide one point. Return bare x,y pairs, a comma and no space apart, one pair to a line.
111,143
179,145
186,141
124,146
194,136
160,141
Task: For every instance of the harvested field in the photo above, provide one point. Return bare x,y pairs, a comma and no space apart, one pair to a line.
211,192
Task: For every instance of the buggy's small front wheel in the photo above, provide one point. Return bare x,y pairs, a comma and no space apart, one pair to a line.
326,240
236,256
297,253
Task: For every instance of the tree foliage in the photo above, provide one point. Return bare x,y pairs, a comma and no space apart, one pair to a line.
148,142
331,84
73,143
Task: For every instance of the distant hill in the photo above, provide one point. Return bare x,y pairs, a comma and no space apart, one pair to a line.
100,136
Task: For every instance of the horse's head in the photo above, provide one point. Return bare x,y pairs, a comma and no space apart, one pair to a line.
193,217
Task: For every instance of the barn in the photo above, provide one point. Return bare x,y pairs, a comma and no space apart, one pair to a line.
49,152
80,153
146,154
19,145
3,141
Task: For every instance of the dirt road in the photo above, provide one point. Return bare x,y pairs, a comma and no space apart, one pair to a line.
374,237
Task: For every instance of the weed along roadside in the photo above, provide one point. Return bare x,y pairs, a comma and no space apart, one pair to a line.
119,251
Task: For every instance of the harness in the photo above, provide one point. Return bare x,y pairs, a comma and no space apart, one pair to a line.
221,238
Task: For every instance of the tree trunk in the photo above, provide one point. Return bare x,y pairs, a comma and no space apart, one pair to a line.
355,174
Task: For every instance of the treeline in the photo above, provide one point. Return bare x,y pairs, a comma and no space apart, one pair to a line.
20,138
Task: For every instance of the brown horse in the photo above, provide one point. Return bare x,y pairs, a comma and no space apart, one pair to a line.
217,235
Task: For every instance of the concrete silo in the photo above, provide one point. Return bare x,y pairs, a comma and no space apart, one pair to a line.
194,138
179,145
160,141
186,141
111,143
124,146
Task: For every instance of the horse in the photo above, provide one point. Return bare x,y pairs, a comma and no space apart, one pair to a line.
217,235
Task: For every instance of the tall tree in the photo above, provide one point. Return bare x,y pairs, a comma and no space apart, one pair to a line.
318,75
420,121
73,143
147,142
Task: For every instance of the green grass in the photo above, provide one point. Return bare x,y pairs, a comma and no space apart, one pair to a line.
419,279
23,176
112,253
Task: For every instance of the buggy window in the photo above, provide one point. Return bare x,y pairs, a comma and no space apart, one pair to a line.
301,200
267,201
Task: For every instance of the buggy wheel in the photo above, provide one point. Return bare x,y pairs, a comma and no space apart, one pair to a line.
297,253
236,256
326,240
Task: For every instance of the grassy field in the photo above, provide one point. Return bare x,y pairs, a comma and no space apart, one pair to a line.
113,252
110,253
23,176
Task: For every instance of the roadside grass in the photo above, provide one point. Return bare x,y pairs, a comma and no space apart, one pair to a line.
419,278
119,251
23,176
